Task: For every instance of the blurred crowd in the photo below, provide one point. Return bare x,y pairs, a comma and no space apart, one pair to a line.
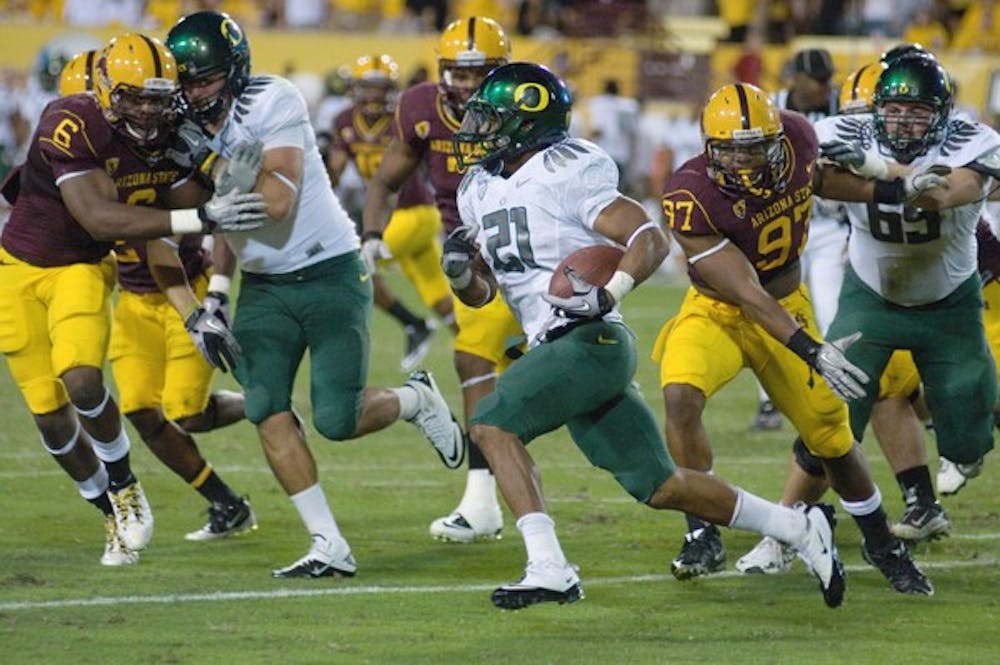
966,25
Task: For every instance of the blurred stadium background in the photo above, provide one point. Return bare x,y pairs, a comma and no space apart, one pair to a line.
664,56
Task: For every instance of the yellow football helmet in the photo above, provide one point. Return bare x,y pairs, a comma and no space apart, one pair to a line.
136,85
374,79
466,52
744,141
859,88
78,74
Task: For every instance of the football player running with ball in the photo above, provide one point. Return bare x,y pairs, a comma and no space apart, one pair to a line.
534,197
740,211
304,286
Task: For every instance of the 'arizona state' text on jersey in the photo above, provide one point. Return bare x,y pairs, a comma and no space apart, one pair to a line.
423,123
74,138
771,232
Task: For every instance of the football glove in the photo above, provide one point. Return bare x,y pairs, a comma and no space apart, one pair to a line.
242,170
189,149
373,250
217,303
214,339
845,378
457,254
855,159
588,301
925,177
233,212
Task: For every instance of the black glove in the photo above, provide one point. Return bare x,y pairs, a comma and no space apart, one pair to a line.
588,301
214,339
457,255
189,149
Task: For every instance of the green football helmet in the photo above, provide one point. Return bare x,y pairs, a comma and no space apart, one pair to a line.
205,44
911,80
518,107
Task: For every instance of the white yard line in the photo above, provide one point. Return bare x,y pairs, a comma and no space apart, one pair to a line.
271,594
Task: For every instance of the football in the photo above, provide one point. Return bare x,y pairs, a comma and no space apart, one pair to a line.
596,264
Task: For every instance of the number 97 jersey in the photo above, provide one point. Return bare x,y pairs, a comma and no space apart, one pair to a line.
771,232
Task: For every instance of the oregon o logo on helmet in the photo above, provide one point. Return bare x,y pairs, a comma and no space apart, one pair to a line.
231,31
531,97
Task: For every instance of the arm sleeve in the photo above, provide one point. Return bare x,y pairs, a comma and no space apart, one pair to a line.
66,144
590,185
284,118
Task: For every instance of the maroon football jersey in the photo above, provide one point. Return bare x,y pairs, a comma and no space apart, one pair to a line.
74,137
989,252
423,123
771,232
366,144
133,271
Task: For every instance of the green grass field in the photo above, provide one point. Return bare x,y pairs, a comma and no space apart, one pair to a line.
415,600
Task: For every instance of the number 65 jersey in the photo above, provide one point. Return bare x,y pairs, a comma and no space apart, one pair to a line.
529,222
908,255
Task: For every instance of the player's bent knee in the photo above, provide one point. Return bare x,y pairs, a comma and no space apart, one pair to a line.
148,422
807,461
335,424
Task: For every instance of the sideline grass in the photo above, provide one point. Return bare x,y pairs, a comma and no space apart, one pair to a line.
417,601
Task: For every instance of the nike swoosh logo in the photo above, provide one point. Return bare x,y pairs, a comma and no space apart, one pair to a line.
521,183
601,339
364,277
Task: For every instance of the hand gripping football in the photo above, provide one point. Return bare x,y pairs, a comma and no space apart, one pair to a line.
595,264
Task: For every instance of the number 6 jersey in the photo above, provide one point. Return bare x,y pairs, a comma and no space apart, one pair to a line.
907,255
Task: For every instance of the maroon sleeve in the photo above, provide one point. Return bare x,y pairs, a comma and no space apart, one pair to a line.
682,201
989,252
69,139
341,130
412,123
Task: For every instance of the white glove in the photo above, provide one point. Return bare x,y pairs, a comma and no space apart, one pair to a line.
851,156
214,339
925,177
242,170
233,212
373,250
588,301
845,378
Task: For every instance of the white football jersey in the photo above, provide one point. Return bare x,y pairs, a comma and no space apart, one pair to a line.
528,223
270,109
907,255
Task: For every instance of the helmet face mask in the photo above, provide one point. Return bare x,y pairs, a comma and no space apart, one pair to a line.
745,146
467,50
210,46
518,108
136,86
912,102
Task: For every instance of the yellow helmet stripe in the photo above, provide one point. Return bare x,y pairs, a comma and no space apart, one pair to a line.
741,95
157,65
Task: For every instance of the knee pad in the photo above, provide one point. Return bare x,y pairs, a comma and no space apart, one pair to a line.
807,461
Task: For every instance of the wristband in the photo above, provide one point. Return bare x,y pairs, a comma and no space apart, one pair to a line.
889,191
804,346
186,220
220,284
619,284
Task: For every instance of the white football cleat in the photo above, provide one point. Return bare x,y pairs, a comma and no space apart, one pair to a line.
324,559
115,551
466,525
819,552
768,557
436,421
545,581
133,514
952,477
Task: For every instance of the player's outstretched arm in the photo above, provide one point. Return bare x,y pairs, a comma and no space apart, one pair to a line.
398,163
168,270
